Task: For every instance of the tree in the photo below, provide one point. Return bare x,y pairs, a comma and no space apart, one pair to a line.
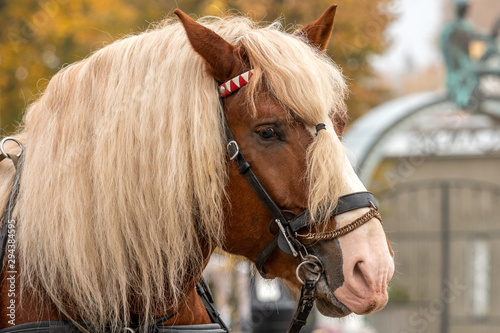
40,37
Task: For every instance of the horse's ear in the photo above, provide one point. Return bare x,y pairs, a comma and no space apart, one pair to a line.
319,31
221,56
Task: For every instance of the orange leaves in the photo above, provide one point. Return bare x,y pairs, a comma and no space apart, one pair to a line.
39,37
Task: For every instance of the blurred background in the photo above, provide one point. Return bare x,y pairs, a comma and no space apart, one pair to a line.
432,160
37,38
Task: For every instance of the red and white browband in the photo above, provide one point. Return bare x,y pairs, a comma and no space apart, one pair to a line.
234,84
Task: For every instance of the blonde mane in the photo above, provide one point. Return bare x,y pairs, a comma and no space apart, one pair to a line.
125,165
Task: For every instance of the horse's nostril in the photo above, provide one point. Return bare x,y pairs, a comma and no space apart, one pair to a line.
360,278
357,269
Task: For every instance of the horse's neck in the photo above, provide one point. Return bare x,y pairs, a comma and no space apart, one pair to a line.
34,308
193,312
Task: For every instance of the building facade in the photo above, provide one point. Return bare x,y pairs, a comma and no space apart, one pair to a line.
436,172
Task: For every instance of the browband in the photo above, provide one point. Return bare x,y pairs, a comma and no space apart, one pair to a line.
234,84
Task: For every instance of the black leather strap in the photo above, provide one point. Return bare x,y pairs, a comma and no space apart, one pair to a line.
286,239
208,301
346,203
354,201
265,254
69,327
11,203
306,303
217,326
158,321
245,169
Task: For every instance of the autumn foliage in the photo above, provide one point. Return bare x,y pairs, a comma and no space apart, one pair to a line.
40,37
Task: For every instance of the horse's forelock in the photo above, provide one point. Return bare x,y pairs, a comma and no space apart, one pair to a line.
311,86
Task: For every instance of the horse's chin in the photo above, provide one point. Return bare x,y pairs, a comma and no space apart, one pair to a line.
326,302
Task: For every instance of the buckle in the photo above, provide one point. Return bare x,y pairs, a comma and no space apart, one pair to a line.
287,237
233,149
9,138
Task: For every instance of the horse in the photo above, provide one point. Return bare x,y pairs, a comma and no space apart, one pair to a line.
142,159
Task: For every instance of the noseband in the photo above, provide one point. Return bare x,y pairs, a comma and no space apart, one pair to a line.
286,235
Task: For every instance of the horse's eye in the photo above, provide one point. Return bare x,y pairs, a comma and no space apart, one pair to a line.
267,133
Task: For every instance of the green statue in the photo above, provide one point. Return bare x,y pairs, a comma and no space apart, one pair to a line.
456,37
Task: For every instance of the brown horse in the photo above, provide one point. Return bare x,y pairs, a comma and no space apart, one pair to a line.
126,186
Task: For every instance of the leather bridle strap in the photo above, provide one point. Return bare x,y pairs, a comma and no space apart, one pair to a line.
306,303
265,254
346,203
244,168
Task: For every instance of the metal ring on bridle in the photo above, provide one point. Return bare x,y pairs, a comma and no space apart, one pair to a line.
233,153
9,138
310,261
128,329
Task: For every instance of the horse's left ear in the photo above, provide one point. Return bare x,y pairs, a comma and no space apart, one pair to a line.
319,31
223,58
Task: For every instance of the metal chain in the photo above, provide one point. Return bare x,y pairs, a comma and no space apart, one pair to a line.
320,236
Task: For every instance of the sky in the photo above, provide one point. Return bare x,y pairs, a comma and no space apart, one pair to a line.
414,35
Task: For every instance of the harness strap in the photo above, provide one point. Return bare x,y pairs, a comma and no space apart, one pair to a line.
346,203
7,215
217,326
68,327
208,301
286,239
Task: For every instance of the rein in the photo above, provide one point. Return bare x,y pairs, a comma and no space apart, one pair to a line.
287,236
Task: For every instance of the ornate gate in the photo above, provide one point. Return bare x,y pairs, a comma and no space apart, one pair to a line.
453,225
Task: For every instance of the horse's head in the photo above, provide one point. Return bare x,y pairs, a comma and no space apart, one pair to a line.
303,166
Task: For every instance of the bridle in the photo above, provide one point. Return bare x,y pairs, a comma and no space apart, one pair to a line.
286,231
286,235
